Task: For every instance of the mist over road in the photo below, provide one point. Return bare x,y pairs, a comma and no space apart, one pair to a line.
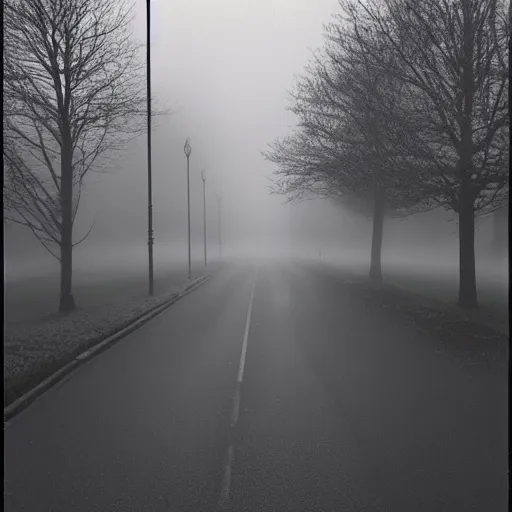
340,408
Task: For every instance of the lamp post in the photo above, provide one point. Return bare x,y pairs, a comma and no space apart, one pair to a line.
150,194
204,215
188,150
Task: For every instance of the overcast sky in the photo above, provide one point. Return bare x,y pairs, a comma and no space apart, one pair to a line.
224,67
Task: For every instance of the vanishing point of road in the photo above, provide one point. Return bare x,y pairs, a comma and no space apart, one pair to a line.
270,388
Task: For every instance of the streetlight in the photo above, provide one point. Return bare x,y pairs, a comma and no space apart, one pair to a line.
204,215
188,150
150,199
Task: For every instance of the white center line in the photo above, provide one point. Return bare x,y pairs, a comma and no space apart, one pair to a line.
226,481
246,334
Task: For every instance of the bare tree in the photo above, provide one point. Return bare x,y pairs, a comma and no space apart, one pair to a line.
453,54
354,137
74,92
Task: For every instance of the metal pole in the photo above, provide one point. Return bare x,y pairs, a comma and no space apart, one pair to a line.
204,217
188,194
150,194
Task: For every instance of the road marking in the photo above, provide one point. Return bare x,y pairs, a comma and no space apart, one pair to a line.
246,334
226,480
236,406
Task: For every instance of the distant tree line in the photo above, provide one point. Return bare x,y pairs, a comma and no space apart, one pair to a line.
405,109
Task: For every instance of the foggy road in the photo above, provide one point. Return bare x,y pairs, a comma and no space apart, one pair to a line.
340,408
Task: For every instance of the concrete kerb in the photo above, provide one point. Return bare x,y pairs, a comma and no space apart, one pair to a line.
26,399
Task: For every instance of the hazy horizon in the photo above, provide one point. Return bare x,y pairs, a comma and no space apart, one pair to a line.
224,69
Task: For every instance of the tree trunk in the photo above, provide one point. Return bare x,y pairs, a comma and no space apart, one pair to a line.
67,302
467,271
378,227
466,210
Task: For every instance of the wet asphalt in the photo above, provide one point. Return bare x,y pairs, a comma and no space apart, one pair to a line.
342,408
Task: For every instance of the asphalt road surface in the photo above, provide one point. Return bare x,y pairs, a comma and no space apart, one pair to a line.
269,388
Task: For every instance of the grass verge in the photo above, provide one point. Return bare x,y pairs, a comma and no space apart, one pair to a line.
34,352
468,336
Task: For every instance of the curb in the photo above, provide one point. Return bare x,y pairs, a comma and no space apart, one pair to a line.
26,399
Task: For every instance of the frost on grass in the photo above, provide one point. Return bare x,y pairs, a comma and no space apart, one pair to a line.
34,350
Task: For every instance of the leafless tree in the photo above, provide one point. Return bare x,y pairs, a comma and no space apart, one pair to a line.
74,92
353,139
453,55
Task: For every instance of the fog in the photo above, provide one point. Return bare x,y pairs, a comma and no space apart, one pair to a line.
224,69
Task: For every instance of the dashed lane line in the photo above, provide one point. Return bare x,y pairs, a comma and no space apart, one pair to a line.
225,493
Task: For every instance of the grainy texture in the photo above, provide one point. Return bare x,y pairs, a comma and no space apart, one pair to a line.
468,336
475,337
343,406
34,350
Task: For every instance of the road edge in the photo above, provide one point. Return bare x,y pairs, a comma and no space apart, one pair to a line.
27,398
451,307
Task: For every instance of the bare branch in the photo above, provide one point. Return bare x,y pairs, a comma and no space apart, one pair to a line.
74,91
87,234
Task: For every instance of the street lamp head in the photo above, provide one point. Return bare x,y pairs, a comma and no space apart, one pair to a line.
187,147
203,176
